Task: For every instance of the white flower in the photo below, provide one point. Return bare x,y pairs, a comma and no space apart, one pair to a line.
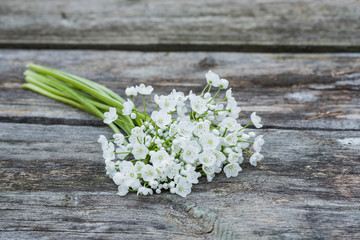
139,151
179,97
139,165
232,170
173,129
185,127
198,104
207,158
118,138
212,78
103,142
110,116
233,109
220,157
235,157
148,173
209,141
108,152
172,169
161,118
201,128
224,83
110,168
159,157
190,153
128,107
255,158
183,188
256,120
144,90
122,152
137,132
259,141
122,190
231,139
191,175
144,191
229,93
209,170
230,123
167,103
118,178
131,91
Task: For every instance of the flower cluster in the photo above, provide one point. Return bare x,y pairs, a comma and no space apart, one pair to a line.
186,137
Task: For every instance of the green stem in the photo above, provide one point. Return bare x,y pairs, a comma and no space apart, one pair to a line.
245,126
247,151
204,90
144,104
215,95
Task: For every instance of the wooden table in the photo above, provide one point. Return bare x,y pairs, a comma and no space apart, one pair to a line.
296,63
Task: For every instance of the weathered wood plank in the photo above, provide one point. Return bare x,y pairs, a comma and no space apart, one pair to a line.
289,91
180,25
52,180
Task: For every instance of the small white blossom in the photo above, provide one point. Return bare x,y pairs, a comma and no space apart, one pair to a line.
144,191
235,158
201,128
231,139
139,151
212,78
122,152
110,116
118,138
209,141
128,107
161,118
141,89
149,173
167,103
232,170
230,124
207,159
256,120
199,105
131,91
224,83
183,188
103,141
255,158
190,153
122,190
233,109
159,157
108,152
259,141
118,178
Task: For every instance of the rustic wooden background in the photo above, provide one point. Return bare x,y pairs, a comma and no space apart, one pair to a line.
295,62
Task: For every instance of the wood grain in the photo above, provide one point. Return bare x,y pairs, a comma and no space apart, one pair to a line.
264,25
312,91
53,181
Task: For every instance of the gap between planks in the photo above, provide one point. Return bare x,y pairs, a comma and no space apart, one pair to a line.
246,48
63,122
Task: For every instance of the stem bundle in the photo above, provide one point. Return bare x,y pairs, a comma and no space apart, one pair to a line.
78,92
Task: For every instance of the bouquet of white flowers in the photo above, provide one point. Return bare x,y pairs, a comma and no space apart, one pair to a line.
184,138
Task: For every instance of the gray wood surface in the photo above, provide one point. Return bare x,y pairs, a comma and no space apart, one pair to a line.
287,90
53,182
272,25
52,177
